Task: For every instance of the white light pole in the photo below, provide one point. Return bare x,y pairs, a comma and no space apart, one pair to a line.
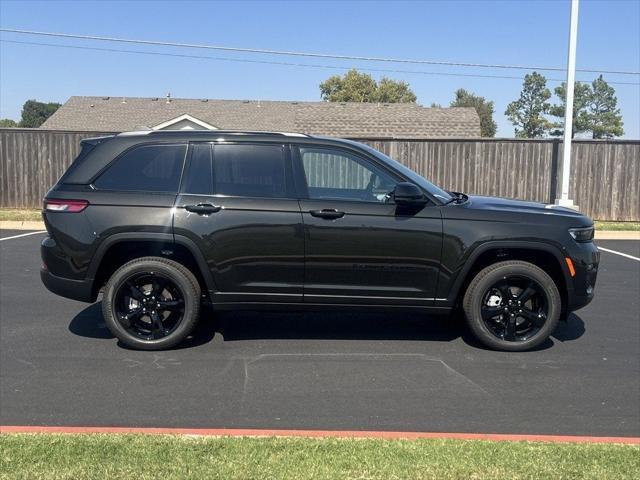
564,199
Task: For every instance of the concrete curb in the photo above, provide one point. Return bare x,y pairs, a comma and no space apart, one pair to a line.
247,432
600,234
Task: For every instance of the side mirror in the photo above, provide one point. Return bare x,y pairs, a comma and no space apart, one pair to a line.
407,193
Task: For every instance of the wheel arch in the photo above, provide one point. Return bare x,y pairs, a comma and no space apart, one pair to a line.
544,255
120,248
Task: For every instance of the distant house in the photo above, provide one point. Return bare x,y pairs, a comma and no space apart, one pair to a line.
351,120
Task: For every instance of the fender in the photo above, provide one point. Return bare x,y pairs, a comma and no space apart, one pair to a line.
506,244
166,238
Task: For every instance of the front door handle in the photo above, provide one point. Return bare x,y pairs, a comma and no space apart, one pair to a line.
328,213
202,208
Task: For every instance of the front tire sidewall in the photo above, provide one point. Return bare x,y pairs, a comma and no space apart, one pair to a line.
191,305
486,279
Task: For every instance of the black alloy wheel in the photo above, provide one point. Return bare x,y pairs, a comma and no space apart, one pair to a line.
149,305
515,308
512,305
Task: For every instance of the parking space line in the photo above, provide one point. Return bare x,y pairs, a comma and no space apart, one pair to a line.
22,235
626,255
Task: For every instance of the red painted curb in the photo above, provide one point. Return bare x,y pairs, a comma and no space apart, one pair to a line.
240,432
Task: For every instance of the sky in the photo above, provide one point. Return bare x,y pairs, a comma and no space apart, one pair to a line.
531,33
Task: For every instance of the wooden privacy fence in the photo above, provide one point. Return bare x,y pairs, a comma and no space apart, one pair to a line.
605,175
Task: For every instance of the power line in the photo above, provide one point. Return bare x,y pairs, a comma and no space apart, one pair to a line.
288,64
305,54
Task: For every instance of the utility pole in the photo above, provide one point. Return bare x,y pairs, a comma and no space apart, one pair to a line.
564,199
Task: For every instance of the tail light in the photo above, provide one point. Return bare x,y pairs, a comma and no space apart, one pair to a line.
70,206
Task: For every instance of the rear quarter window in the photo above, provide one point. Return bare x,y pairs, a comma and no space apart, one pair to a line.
146,168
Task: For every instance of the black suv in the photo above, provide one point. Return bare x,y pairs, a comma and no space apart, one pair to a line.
160,221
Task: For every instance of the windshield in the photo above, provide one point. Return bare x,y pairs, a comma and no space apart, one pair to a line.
419,180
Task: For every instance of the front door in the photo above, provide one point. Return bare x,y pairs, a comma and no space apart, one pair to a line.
359,246
237,204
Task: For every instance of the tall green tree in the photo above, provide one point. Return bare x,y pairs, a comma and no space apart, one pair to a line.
7,123
34,113
527,113
605,120
581,99
483,108
392,91
355,86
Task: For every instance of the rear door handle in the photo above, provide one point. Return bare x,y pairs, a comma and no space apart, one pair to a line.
328,213
202,208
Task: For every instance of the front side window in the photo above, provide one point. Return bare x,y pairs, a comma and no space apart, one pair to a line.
147,168
250,171
337,175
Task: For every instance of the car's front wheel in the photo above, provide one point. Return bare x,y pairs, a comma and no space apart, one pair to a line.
512,305
151,303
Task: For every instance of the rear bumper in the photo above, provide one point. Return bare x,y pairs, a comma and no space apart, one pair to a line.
80,290
55,260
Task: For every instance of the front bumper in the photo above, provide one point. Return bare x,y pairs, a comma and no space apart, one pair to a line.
586,260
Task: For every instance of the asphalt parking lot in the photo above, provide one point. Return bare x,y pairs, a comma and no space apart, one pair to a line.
59,365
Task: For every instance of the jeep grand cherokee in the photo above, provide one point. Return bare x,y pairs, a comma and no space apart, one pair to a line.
161,221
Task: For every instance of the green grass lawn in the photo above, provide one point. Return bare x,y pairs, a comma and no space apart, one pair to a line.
20,214
628,226
103,456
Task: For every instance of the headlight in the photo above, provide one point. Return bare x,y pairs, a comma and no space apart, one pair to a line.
582,234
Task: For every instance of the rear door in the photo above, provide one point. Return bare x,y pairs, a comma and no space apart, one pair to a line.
360,246
238,204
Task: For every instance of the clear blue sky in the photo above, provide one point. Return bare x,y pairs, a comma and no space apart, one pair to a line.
508,32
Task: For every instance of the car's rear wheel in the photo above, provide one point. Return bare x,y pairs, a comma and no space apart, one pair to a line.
151,303
512,305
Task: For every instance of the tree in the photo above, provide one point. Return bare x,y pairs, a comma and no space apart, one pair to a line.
34,113
528,112
483,108
605,120
581,98
361,87
391,91
7,123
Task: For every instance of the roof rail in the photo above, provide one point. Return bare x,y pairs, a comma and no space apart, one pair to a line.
134,133
212,132
292,134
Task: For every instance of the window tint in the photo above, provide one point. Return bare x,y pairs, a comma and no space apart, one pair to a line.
250,170
150,168
333,174
199,178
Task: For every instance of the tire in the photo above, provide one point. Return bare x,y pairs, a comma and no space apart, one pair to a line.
486,295
178,290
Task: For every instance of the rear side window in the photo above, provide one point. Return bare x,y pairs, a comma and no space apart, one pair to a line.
148,168
250,171
199,177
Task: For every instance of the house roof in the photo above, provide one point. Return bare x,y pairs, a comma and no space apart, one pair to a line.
355,120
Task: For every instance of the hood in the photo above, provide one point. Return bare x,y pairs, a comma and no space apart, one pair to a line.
519,206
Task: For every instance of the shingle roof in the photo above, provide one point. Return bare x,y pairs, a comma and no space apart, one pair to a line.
395,120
